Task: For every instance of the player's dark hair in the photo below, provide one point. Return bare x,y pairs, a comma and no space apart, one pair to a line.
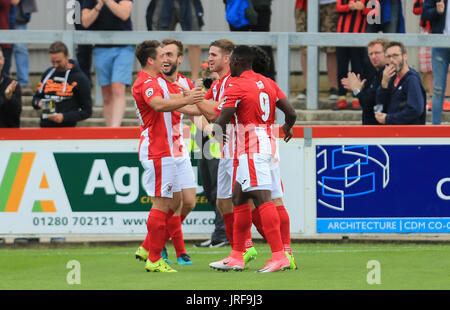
145,50
261,61
243,54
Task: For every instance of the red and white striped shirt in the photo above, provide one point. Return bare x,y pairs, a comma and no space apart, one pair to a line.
254,98
175,122
154,142
216,93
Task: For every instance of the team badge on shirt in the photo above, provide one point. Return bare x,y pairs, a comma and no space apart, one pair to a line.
149,92
260,85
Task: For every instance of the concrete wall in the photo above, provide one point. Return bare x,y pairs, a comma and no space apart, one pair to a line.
52,16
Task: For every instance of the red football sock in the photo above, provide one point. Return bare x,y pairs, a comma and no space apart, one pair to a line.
285,228
229,222
146,243
156,226
176,234
256,219
242,225
169,216
271,225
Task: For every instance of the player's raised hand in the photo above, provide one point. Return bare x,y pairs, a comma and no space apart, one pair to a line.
199,83
198,95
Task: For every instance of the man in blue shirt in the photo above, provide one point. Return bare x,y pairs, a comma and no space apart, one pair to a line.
401,91
113,63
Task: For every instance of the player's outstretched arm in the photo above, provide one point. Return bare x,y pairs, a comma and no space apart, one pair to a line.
207,108
160,104
192,110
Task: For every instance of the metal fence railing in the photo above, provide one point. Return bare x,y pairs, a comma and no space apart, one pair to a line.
281,41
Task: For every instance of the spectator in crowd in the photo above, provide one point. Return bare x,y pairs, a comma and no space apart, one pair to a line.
84,51
352,19
424,52
328,23
401,91
366,90
113,63
5,21
10,99
386,16
164,15
67,87
436,12
255,17
23,13
425,59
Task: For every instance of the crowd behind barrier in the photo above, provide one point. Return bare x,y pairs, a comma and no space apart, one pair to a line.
354,20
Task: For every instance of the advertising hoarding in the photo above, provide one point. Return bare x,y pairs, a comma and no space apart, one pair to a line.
383,188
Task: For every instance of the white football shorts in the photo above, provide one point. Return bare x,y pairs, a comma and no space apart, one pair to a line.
186,177
254,172
225,178
160,178
277,185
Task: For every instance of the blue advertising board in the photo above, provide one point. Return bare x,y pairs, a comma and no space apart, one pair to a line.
383,188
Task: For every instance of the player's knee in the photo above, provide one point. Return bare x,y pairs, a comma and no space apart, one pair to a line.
278,201
188,206
225,206
236,199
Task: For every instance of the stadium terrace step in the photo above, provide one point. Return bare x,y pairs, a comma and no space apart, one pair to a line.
97,112
328,115
32,122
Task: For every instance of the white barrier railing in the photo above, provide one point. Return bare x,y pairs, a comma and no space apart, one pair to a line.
282,41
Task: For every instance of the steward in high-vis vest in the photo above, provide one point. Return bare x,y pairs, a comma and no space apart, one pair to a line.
198,142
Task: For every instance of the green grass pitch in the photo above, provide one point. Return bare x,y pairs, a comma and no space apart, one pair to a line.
322,266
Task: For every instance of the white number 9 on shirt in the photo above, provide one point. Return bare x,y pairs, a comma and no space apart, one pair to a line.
264,103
